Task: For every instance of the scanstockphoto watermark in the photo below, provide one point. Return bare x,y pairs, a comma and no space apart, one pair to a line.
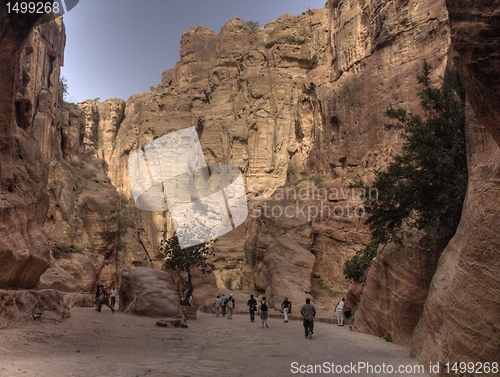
309,202
360,367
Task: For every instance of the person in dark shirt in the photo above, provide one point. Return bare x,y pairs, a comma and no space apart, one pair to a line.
286,308
308,311
252,306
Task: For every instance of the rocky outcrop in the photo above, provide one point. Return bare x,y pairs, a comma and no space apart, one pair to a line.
83,215
302,96
29,305
145,291
395,291
44,175
461,315
29,87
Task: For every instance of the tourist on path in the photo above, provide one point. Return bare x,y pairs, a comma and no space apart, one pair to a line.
308,311
263,311
98,295
104,300
252,306
217,305
113,297
286,308
230,306
223,304
340,312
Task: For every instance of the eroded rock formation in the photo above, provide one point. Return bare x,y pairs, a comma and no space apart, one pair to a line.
52,196
462,313
145,291
29,85
301,97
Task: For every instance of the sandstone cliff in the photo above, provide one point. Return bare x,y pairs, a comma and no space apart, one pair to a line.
30,135
299,103
29,87
302,97
52,196
462,313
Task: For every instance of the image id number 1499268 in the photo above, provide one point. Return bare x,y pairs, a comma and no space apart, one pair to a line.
471,367
32,7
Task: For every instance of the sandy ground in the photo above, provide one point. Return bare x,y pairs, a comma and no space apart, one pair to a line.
106,344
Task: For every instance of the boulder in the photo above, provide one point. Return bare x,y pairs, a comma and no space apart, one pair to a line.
145,291
27,305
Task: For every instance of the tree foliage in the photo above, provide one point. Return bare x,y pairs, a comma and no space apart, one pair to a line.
184,259
253,25
356,268
424,187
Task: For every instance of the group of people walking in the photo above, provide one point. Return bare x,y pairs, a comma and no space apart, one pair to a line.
225,306
103,297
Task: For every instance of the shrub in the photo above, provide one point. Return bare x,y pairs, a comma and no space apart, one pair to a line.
63,250
253,25
356,268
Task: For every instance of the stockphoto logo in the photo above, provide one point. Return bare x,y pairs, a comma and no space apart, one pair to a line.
204,202
24,15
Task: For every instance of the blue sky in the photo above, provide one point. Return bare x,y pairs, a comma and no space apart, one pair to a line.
117,48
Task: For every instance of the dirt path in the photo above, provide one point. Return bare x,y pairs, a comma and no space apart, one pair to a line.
105,344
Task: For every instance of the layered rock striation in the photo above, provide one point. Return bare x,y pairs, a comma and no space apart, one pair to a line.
302,97
29,87
462,313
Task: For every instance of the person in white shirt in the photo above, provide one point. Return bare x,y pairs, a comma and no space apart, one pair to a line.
340,312
113,297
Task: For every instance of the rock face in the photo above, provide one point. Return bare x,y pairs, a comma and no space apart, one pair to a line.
145,291
465,287
52,196
301,97
29,85
82,222
395,292
28,305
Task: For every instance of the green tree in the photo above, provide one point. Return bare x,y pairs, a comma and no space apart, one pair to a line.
356,268
424,187
187,258
63,82
67,102
253,25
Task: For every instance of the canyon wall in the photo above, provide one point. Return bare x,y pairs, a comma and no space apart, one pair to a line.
462,313
299,102
29,87
59,212
298,106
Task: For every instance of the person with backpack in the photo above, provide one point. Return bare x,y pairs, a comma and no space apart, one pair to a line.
230,306
308,311
252,306
286,308
263,311
104,300
216,305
